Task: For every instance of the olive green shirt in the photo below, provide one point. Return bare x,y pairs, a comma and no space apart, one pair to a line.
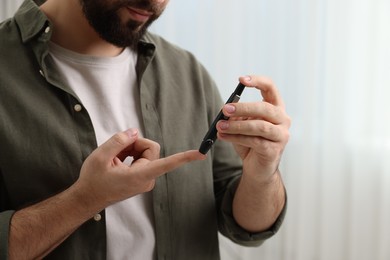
45,137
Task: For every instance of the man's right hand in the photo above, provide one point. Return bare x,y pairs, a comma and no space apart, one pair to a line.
106,179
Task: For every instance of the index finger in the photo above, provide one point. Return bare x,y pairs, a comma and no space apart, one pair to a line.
267,87
161,166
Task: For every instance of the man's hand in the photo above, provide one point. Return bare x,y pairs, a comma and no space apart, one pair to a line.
260,130
108,179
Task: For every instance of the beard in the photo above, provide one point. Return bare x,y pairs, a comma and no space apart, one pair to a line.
103,16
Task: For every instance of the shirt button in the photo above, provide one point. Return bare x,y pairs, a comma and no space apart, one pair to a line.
47,30
97,217
77,107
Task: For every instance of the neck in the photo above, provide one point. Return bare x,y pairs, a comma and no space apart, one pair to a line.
72,30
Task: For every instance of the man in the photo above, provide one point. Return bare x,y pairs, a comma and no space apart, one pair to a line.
85,89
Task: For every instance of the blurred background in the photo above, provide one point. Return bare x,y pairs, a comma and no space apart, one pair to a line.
331,62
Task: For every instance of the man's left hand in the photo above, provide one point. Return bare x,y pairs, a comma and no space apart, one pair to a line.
258,130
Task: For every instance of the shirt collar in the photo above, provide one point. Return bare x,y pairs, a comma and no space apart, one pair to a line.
31,20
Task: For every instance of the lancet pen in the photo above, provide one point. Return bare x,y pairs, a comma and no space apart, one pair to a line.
211,135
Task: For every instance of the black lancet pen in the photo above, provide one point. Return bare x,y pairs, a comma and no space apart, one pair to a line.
211,135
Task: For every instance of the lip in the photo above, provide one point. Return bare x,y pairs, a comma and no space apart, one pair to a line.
139,14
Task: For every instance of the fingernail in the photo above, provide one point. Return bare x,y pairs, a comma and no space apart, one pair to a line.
230,109
224,125
247,78
132,132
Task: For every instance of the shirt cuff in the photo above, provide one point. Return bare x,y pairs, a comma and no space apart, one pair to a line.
235,232
5,220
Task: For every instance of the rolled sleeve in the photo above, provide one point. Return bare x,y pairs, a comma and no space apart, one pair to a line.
5,220
236,233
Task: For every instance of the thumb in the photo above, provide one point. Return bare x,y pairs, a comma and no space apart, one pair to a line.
118,142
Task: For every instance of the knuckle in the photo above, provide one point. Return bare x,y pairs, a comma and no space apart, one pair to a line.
258,142
237,126
119,139
288,121
150,186
155,150
270,110
271,150
245,109
157,147
153,146
150,149
264,128
287,136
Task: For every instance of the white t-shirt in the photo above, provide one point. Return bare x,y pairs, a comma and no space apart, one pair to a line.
107,87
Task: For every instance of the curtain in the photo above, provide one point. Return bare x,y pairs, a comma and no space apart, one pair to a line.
330,60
